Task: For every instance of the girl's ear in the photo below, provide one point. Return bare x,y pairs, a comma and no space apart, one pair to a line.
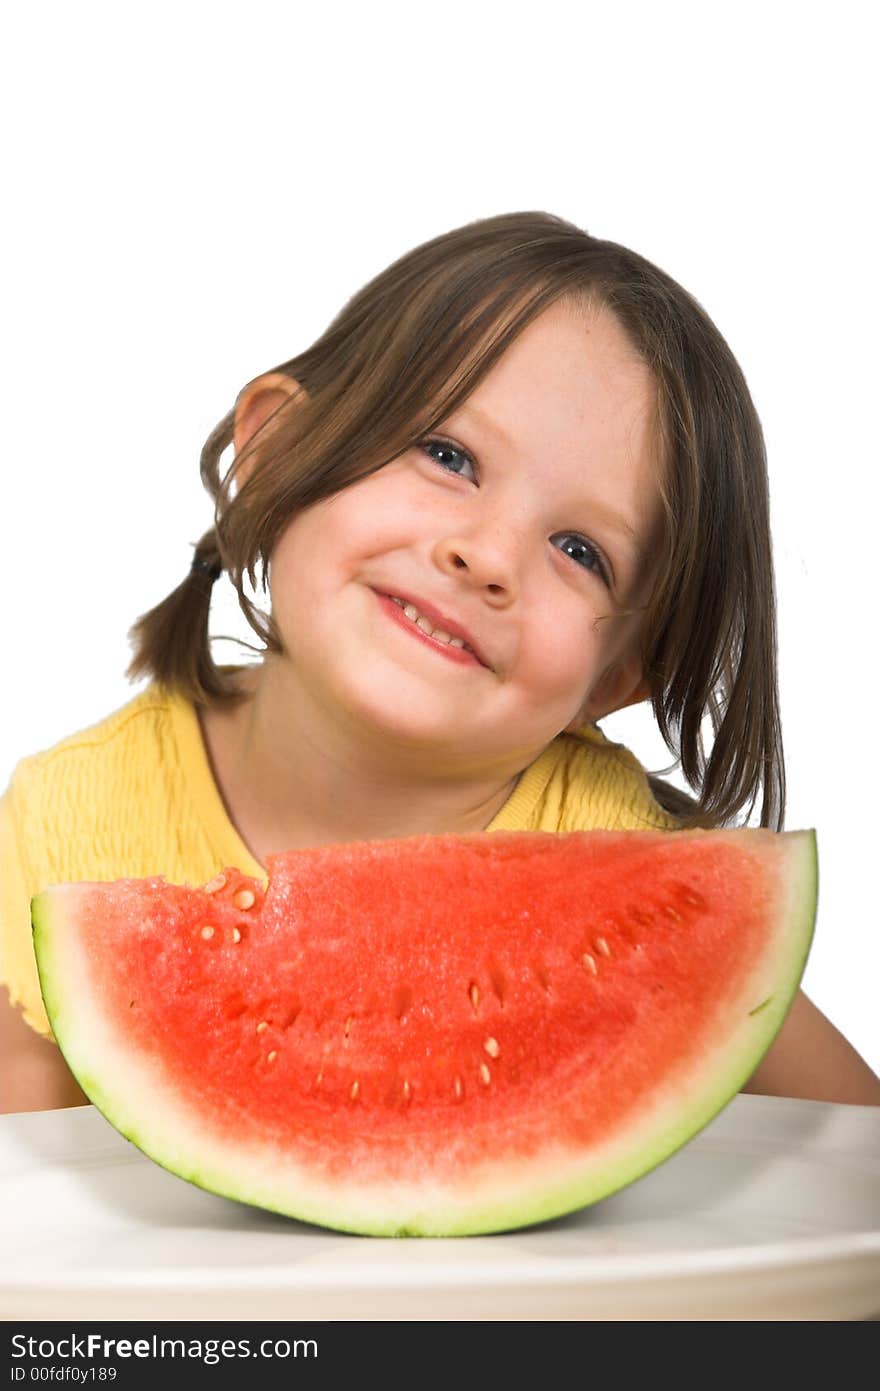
620,685
256,402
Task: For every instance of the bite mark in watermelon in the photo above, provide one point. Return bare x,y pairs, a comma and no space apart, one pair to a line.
437,1035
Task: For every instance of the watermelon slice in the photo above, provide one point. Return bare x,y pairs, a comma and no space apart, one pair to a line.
436,1035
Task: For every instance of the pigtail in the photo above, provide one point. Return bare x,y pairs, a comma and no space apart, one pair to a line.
170,642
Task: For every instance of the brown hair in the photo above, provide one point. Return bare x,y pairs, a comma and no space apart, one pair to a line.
404,353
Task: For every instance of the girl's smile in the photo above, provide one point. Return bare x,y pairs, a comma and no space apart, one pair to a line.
441,637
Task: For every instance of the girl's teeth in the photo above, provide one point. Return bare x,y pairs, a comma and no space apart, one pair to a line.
427,627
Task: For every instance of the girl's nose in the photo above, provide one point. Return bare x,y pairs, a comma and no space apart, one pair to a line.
483,562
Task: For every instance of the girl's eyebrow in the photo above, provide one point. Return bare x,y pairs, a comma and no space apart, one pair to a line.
469,413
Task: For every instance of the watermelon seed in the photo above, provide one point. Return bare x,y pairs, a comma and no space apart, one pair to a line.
485,1074
689,895
245,898
272,1056
491,1047
402,1000
207,933
474,994
407,1091
216,884
590,963
499,984
236,935
320,1077
602,946
355,1088
348,1025
541,976
667,908
458,1088
262,1026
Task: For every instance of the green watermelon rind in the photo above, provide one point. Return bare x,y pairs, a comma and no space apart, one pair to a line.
503,1200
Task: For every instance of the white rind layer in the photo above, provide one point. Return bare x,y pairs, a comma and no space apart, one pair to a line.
503,1194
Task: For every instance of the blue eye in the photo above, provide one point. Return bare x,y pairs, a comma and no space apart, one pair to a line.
582,551
444,447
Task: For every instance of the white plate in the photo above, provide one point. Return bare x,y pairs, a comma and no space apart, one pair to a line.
772,1212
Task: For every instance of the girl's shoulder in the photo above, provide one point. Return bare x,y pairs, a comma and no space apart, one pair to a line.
607,787
97,803
129,796
107,746
584,782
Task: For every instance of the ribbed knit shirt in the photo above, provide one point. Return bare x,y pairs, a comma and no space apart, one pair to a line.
135,796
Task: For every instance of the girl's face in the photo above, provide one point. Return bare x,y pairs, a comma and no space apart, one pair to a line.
526,522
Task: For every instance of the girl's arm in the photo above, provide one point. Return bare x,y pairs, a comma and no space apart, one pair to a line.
33,1075
809,1058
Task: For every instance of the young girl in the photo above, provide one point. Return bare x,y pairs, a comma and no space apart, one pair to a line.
518,483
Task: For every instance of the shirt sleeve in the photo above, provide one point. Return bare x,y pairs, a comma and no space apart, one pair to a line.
18,966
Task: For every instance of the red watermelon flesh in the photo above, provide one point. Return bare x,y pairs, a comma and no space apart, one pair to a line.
435,1035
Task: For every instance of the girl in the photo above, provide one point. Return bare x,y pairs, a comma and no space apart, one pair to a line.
517,484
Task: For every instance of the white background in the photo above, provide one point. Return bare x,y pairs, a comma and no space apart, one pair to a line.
194,190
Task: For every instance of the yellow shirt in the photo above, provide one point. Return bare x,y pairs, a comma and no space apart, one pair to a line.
134,796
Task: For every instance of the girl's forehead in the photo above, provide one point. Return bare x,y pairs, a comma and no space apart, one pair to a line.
575,358
572,390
